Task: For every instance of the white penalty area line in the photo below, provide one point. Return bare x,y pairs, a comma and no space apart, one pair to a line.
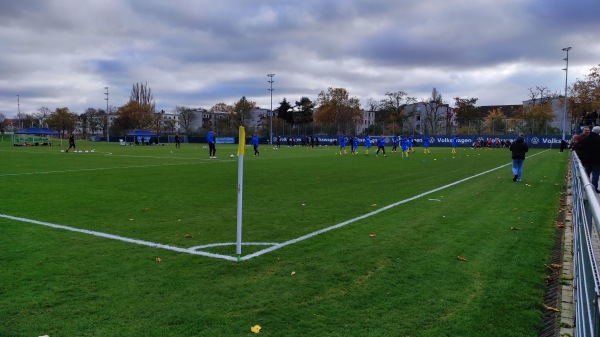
196,250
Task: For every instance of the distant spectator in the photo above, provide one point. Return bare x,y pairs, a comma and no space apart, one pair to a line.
563,145
575,140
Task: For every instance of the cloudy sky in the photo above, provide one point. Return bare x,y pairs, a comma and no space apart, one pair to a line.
196,53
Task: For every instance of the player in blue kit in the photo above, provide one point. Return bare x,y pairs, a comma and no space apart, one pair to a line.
404,146
342,144
380,146
394,143
426,144
354,145
367,144
454,141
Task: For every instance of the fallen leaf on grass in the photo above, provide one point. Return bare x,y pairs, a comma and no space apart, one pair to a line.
146,209
158,259
460,258
189,236
293,273
374,205
551,308
130,219
372,235
255,329
515,228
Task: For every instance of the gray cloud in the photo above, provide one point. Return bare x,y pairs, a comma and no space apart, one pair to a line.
62,53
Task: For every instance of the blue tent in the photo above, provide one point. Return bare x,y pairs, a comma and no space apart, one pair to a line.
37,131
43,134
141,136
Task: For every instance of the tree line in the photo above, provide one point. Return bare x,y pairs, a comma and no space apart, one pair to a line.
335,111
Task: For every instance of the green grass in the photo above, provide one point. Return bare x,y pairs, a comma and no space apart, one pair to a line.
405,281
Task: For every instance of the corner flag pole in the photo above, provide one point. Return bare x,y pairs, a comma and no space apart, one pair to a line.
240,153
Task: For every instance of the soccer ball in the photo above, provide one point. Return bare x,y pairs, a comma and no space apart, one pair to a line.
230,156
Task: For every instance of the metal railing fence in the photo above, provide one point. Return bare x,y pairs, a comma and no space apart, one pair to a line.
586,282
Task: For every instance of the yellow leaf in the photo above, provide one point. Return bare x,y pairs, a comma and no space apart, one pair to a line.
255,329
551,308
158,259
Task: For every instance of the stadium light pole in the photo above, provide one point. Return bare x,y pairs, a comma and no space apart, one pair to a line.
566,77
107,117
271,113
19,110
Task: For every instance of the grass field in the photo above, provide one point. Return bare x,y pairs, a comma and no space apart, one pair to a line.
381,272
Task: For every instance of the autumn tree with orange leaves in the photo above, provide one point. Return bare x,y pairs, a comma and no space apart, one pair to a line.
338,109
584,95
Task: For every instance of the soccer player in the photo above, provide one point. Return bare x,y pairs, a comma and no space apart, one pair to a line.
410,144
404,146
254,142
354,145
426,144
380,146
342,144
212,150
177,141
454,141
394,143
72,143
367,144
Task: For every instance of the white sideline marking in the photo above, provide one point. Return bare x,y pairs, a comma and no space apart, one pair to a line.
97,169
273,246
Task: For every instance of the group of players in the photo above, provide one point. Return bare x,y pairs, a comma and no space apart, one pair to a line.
406,145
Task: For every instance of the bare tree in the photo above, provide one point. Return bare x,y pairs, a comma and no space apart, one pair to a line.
436,113
541,95
186,117
395,105
142,95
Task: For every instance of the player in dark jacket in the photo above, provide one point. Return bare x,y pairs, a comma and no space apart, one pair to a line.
518,149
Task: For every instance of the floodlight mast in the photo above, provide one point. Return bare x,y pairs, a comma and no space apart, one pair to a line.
107,117
271,112
565,103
